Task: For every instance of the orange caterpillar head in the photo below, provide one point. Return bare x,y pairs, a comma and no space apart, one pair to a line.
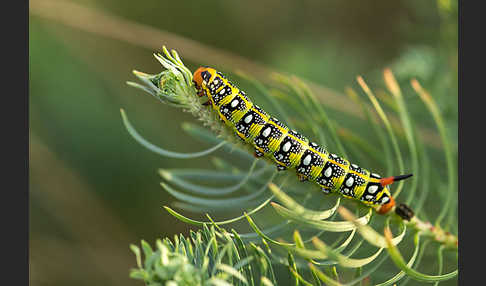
197,77
201,77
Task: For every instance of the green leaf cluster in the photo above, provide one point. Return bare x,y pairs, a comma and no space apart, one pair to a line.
210,256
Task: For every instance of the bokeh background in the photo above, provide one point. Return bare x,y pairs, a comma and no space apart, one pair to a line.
94,190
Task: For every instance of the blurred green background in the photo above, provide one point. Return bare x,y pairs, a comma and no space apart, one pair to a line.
94,190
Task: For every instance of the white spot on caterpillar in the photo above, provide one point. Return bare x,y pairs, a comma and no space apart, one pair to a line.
307,160
234,103
266,132
350,181
286,147
346,190
248,118
328,172
354,166
376,175
373,189
385,200
368,197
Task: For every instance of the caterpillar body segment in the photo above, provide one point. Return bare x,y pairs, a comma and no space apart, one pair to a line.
289,149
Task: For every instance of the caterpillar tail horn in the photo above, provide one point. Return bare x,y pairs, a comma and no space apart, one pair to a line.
390,180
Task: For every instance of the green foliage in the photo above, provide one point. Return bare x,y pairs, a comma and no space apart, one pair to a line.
313,242
210,256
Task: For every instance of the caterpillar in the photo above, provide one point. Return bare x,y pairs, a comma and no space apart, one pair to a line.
291,150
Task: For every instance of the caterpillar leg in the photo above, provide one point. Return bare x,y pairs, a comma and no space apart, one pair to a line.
325,191
281,168
302,178
258,153
240,136
201,93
